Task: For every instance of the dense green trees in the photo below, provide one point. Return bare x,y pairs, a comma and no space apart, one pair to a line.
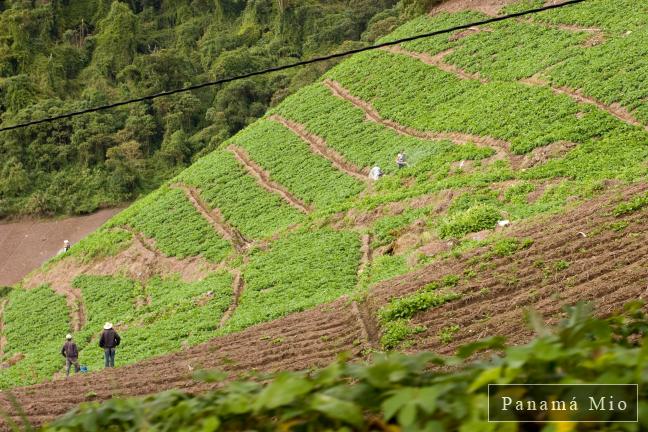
59,56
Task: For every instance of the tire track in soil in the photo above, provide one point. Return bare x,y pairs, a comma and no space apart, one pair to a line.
319,146
215,219
502,148
263,179
615,109
238,285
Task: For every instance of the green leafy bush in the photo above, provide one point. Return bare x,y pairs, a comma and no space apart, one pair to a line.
636,203
508,246
407,307
472,220
396,331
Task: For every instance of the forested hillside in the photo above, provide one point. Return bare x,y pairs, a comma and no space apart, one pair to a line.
59,56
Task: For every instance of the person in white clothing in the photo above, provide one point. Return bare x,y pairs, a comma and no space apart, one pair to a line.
375,173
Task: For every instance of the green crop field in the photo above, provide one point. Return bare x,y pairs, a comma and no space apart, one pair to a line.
226,185
300,271
291,163
35,324
362,142
177,228
495,158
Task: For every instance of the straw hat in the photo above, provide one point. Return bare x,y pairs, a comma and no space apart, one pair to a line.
107,326
68,336
66,241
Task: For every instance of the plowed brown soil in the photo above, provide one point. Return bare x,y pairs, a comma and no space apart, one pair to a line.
263,179
604,266
25,245
489,7
238,285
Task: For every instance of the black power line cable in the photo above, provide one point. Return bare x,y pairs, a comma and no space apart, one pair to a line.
291,65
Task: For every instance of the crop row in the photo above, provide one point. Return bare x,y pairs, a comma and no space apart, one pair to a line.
224,184
35,324
512,50
612,71
365,143
300,271
291,163
174,318
528,117
615,17
176,226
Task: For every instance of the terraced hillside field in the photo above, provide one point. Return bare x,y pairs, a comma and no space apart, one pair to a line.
276,251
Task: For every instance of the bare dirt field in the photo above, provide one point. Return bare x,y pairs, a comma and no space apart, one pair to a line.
25,245
489,7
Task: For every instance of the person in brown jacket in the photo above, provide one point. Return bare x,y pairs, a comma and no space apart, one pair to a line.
71,354
109,340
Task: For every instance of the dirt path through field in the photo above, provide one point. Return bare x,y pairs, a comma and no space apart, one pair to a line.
238,285
27,244
501,147
488,7
74,301
263,179
215,219
318,146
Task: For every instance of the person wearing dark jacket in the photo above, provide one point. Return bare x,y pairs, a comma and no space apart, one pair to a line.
109,340
71,354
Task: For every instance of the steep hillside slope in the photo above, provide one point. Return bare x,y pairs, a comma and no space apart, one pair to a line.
494,286
512,121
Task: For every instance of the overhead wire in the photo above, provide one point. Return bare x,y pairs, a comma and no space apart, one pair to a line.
290,65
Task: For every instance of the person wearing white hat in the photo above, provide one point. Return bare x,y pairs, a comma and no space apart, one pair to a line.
109,340
66,245
71,354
